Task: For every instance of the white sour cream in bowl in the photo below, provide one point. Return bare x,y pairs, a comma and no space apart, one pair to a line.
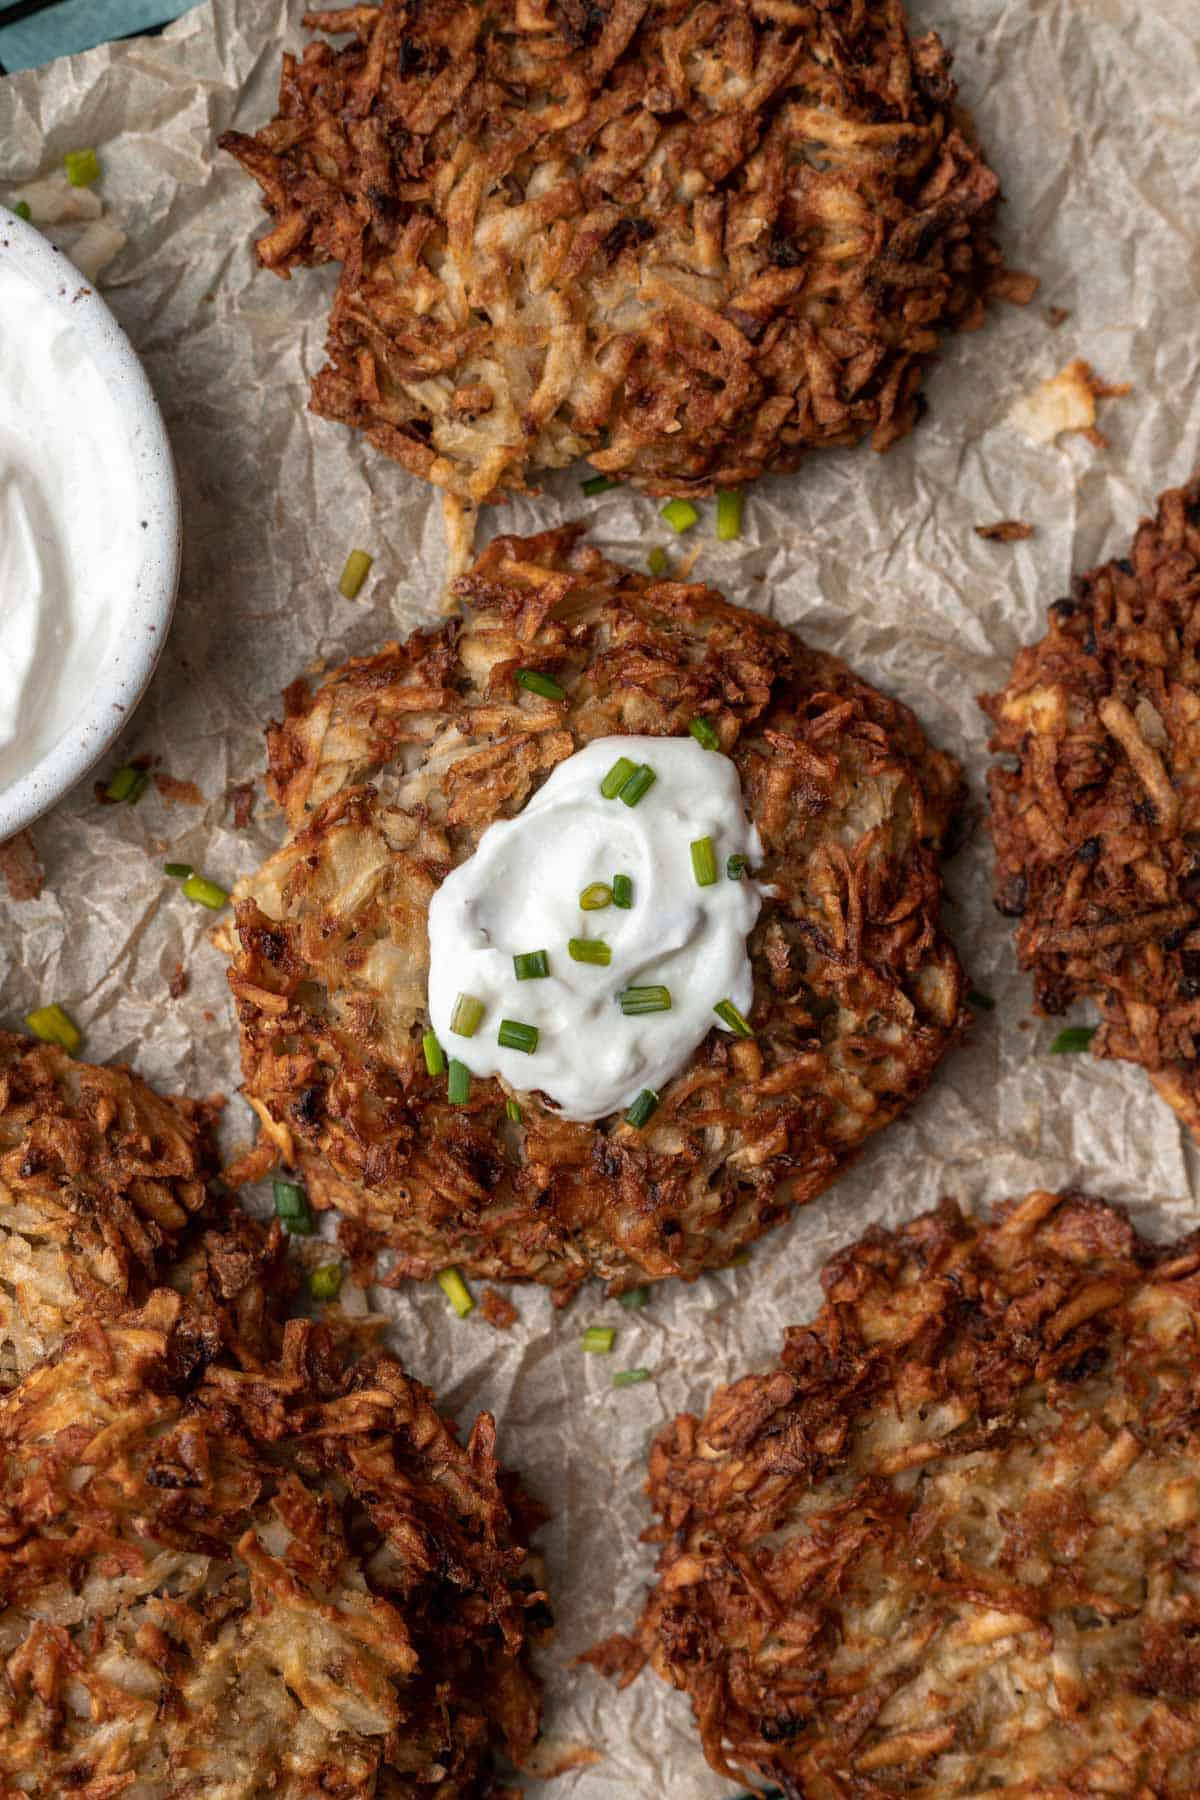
89,526
611,931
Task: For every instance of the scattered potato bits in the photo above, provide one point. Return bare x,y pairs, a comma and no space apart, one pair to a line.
947,1545
687,239
388,775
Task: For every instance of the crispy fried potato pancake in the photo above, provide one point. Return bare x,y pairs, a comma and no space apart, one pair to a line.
388,775
1097,823
99,1179
230,1581
687,239
947,1546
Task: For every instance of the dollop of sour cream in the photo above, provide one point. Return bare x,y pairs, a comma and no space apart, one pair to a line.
68,521
520,892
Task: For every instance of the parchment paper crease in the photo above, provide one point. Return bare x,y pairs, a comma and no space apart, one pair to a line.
1088,109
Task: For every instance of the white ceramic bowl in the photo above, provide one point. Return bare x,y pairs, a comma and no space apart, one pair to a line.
142,609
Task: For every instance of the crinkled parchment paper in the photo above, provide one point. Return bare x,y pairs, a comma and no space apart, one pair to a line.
1088,109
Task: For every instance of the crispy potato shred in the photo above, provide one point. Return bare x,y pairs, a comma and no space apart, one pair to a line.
388,775
946,1546
1095,808
689,241
232,1562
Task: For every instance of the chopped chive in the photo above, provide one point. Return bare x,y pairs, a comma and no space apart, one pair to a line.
291,1206
589,950
622,891
53,1025
739,1259
1075,1037
736,866
616,778
537,683
178,871
127,784
82,166
514,1034
598,1340
658,561
729,514
358,567
729,1015
512,1110
458,1082
23,210
531,965
456,1291
680,515
634,1298
642,1109
205,893
636,1000
639,784
630,1377
981,1002
704,861
325,1283
704,734
595,897
435,1056
598,484
467,1016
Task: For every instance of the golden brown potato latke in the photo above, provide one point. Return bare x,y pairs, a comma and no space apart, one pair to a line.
689,241
947,1546
388,775
1095,809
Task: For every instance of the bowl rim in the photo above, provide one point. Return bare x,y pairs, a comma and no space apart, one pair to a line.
137,641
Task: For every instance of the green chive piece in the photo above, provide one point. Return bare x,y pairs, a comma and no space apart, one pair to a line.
736,867
355,572
291,1206
82,166
633,1299
598,484
205,893
729,1015
616,778
23,210
680,515
53,1025
704,734
642,1109
456,1291
639,784
514,1034
636,1000
458,1083
531,965
435,1056
178,871
127,784
325,1283
630,1377
739,1259
537,683
595,897
622,891
729,515
658,561
467,1016
589,950
598,1340
704,862
981,1002
1075,1037
512,1110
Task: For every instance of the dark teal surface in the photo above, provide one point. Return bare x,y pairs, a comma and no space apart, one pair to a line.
66,26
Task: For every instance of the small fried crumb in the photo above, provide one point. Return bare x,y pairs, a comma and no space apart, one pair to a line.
21,867
179,982
176,792
498,1310
1056,316
1005,531
242,798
